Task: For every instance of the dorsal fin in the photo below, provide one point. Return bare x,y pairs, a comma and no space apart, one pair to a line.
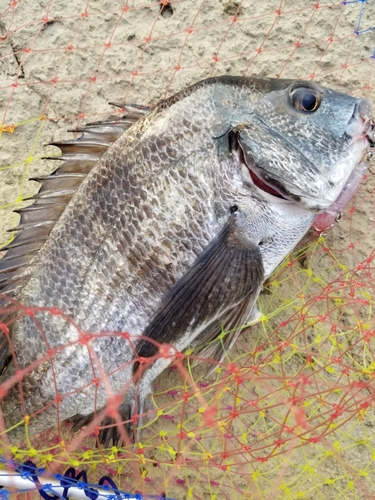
78,157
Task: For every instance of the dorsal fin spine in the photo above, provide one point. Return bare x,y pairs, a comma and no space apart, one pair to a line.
37,220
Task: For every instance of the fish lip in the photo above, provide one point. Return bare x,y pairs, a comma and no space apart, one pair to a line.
268,186
369,134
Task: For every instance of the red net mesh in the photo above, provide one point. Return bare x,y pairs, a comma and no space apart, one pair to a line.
290,411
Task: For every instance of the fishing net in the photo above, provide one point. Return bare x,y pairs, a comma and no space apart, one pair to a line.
289,413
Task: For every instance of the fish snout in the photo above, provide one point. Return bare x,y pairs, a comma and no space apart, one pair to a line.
363,110
361,126
370,136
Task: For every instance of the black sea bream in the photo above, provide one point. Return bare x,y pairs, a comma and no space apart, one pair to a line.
166,225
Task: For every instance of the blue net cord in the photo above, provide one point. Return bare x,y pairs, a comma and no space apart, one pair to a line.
69,479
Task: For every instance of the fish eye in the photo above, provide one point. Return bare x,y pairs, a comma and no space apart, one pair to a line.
305,99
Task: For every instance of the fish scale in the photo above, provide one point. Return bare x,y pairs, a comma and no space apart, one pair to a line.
93,305
167,237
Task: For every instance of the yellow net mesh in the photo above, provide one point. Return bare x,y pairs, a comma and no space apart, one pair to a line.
289,414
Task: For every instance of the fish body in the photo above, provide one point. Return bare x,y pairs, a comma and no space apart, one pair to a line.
169,237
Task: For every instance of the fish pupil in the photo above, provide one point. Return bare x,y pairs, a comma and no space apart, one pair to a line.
309,102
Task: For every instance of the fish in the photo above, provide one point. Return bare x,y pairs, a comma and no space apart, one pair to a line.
156,233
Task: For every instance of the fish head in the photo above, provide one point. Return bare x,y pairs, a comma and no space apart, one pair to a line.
302,141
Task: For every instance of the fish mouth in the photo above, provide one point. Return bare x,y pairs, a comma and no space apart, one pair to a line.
361,127
267,185
256,176
369,134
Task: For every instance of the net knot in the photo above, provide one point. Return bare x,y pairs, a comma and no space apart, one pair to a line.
113,404
167,351
47,487
85,338
4,328
232,369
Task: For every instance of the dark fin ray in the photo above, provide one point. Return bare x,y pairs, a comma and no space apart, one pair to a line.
31,235
55,183
106,132
109,434
92,149
132,108
82,166
219,337
11,289
133,113
35,213
13,264
6,275
228,273
5,352
57,198
46,224
78,158
80,421
19,250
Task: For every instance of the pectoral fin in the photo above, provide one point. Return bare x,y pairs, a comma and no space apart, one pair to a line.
216,293
214,346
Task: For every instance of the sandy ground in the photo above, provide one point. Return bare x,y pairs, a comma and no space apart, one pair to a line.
61,62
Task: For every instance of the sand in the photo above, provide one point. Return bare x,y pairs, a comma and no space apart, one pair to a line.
63,61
